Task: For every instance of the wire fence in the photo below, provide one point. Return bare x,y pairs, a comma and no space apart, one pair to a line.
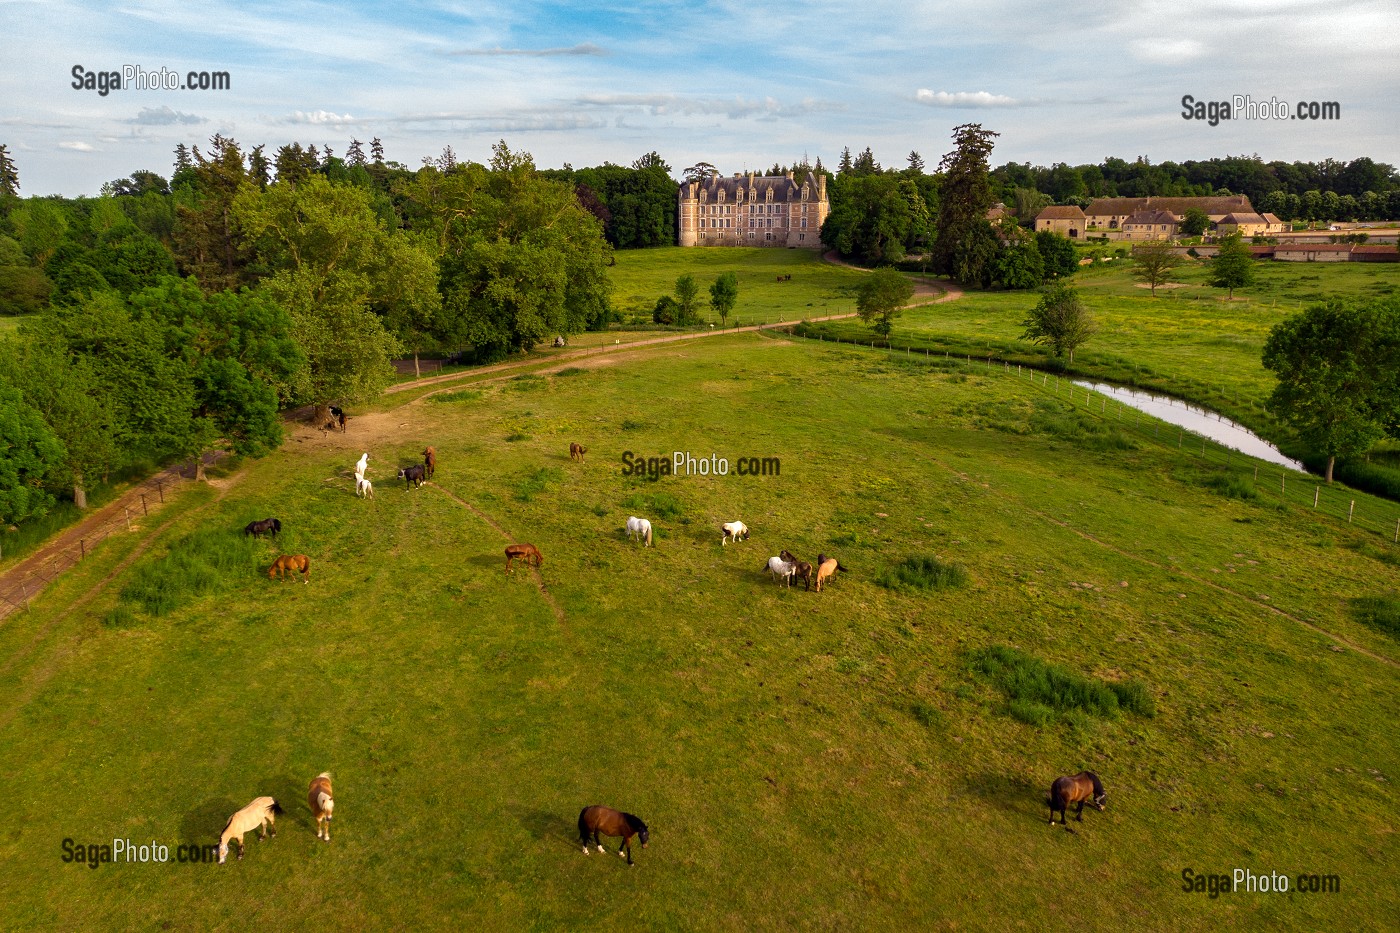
1238,473
136,504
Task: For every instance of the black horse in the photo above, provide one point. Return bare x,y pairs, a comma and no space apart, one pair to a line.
266,526
594,820
413,475
1081,788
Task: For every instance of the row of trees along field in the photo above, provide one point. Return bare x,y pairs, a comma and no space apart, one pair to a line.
167,320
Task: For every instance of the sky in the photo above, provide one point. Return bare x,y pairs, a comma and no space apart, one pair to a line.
741,85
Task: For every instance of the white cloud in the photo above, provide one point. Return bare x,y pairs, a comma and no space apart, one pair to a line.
77,146
1167,51
320,118
963,99
164,116
585,48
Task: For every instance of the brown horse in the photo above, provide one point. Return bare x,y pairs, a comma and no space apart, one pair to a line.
1081,788
576,451
322,804
596,819
801,569
525,552
283,567
430,461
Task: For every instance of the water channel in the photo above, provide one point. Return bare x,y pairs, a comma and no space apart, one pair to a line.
1194,418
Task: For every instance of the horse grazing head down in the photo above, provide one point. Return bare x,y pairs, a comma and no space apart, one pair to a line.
1084,787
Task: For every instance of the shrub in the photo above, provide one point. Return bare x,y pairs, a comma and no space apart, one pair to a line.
463,395
1379,612
1029,682
1233,486
922,572
537,482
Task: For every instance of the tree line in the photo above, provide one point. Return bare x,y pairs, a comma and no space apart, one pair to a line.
168,319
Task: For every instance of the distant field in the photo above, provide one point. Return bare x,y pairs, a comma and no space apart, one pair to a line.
842,760
9,325
817,288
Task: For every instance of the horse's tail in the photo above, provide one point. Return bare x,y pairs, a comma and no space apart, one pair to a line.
583,825
276,807
648,534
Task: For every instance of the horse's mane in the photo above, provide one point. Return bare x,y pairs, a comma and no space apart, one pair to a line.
1098,785
634,822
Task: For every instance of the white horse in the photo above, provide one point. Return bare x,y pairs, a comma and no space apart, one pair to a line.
360,466
736,531
364,487
781,568
322,803
639,528
260,811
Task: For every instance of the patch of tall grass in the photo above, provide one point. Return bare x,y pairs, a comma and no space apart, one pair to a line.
203,563
922,572
1037,692
1379,612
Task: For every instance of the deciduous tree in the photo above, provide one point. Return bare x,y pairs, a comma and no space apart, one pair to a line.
1060,320
881,297
1153,263
960,246
723,294
1233,265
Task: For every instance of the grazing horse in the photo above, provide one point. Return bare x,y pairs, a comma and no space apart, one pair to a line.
639,528
261,811
360,465
283,566
781,568
429,461
525,552
1081,788
821,559
800,568
322,804
412,476
824,570
596,819
260,528
736,531
364,487
576,451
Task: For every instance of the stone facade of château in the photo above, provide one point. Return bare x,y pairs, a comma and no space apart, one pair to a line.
753,210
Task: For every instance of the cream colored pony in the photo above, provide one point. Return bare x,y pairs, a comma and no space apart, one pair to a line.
321,804
260,811
364,487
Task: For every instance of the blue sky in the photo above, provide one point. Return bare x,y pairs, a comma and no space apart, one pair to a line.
738,84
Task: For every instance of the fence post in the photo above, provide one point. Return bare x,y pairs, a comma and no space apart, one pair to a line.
1256,472
1317,491
82,548
1397,531
1350,509
144,510
161,487
128,517
1179,432
1283,484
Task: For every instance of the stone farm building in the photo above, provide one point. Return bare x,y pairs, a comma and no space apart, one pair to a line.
753,210
1157,218
1067,221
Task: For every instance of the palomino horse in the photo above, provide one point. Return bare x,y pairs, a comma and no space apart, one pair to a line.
364,487
283,566
733,531
413,476
821,559
429,461
594,820
781,568
260,811
1081,788
576,451
266,526
639,528
524,552
800,568
826,569
322,804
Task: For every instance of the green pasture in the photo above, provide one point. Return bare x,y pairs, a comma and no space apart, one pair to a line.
817,288
1058,595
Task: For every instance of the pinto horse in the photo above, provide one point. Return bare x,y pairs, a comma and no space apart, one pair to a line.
285,565
1081,788
429,461
322,804
266,526
261,811
733,531
413,476
524,552
639,528
596,819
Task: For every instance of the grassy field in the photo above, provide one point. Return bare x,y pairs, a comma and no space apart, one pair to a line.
871,757
817,288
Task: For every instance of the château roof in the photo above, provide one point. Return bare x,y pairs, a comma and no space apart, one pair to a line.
1152,217
755,187
1061,212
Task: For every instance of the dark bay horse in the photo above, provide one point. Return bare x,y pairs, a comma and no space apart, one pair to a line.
1081,788
524,552
594,820
801,569
413,476
429,461
266,526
